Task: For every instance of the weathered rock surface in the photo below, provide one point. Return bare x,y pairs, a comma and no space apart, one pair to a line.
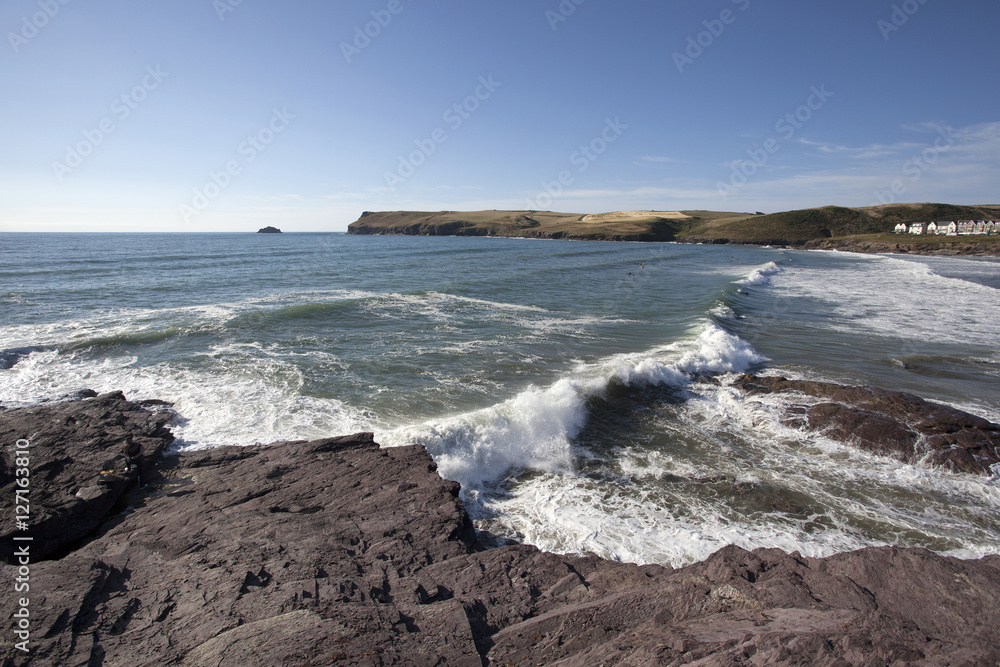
337,552
77,465
892,423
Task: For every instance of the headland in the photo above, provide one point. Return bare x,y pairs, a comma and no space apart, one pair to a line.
867,229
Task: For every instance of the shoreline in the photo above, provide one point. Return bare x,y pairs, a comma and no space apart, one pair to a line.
344,551
972,248
952,249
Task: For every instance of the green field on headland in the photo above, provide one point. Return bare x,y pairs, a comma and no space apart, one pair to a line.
807,226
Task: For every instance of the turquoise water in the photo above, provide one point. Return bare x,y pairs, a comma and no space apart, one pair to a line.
577,390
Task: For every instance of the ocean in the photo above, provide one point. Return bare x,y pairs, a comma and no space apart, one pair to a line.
578,391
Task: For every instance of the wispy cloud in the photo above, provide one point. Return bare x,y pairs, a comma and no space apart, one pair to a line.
868,152
659,158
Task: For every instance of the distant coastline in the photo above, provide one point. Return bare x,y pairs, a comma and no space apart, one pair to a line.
869,229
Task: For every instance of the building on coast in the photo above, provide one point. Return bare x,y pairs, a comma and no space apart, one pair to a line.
953,228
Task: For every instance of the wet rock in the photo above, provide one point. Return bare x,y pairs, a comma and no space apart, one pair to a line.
8,358
891,423
336,551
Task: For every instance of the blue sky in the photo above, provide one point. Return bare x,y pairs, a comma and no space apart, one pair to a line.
227,115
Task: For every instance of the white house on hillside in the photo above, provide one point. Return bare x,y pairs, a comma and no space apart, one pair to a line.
965,227
949,228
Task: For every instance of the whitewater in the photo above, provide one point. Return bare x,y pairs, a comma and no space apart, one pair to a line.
578,391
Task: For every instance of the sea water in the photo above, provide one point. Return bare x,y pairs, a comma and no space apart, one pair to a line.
578,391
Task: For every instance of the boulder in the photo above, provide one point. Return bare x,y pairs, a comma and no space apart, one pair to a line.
892,423
77,468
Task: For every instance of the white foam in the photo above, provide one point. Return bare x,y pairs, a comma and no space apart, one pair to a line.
954,507
722,311
761,275
566,514
253,401
632,516
638,520
531,431
135,322
909,300
534,429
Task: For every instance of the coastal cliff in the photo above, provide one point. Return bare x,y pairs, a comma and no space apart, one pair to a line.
866,229
626,226
337,551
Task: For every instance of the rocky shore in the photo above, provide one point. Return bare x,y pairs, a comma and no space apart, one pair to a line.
890,423
338,552
951,249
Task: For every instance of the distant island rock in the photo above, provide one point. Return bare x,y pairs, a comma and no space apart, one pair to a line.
269,230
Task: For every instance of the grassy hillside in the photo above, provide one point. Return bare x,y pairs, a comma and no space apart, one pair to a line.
620,226
786,228
792,227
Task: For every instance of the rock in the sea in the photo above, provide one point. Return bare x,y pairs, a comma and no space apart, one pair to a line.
8,358
338,552
891,423
269,230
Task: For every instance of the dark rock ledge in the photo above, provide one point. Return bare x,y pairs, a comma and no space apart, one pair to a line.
337,552
892,423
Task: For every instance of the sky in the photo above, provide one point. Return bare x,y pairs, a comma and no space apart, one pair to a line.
229,115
